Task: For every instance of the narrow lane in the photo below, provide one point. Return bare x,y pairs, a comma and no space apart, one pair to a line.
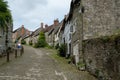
33,65
36,64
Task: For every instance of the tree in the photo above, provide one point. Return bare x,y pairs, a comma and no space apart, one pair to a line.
5,14
41,40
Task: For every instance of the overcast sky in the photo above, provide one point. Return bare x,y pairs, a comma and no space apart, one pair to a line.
31,13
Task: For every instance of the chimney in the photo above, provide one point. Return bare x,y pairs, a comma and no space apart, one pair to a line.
46,26
56,22
22,26
65,16
42,25
23,30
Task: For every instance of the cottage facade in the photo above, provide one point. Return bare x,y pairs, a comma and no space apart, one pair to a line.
20,33
94,19
6,38
68,37
35,34
52,33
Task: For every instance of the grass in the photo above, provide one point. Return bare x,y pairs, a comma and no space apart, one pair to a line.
69,68
63,62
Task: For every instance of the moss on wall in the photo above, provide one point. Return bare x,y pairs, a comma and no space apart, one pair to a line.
103,54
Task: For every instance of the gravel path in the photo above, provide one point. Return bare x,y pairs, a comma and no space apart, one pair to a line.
36,64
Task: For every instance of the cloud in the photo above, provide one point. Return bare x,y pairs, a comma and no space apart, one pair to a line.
32,12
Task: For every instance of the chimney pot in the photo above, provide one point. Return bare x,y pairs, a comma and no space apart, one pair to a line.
46,26
56,22
42,25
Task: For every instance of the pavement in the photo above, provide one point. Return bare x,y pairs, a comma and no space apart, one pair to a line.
36,64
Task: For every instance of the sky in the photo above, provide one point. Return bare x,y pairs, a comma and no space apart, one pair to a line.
31,13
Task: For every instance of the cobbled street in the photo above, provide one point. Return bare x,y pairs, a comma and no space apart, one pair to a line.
36,64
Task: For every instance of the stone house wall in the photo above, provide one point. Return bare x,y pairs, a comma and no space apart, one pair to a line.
47,37
10,29
2,39
61,37
94,19
100,18
56,32
35,39
51,39
102,57
27,40
77,36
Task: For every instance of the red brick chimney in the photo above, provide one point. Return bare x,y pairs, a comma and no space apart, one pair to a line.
56,22
23,30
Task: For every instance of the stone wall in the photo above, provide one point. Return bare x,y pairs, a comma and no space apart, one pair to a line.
77,23
100,18
102,57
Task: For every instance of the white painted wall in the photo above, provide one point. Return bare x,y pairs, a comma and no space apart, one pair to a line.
67,35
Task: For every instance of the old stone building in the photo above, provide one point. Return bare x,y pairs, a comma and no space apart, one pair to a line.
67,35
61,32
51,34
75,21
5,38
101,18
28,39
19,34
56,33
35,34
93,20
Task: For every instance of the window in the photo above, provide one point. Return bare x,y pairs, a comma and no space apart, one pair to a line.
71,29
70,36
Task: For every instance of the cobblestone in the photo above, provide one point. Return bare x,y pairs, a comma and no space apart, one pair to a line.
35,64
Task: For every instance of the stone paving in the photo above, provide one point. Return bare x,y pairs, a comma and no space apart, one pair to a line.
35,64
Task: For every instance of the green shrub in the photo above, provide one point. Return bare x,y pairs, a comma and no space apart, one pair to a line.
81,66
49,47
97,72
30,43
23,42
41,41
57,46
105,39
62,50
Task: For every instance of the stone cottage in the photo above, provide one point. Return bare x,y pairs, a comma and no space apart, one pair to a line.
94,22
51,34
28,39
4,36
47,29
74,23
56,33
35,34
19,34
68,31
2,40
